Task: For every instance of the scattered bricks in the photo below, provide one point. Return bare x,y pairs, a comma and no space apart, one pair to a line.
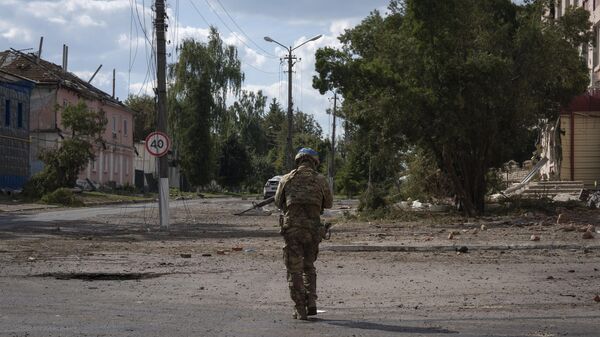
534,237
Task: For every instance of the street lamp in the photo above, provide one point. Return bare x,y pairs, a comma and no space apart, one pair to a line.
288,146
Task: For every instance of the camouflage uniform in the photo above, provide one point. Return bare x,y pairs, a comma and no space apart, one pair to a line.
302,195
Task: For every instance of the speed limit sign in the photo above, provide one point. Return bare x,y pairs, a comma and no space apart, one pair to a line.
158,143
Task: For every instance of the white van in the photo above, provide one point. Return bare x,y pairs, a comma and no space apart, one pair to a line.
271,187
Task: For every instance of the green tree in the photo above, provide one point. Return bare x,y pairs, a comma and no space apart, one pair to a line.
462,79
200,81
234,163
83,128
144,115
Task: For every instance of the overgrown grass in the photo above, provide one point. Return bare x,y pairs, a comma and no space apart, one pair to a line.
99,197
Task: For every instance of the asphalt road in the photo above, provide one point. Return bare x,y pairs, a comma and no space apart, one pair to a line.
123,281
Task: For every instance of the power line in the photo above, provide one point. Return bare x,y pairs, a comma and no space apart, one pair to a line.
243,32
231,30
248,64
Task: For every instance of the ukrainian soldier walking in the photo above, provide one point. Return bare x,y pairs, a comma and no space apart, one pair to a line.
302,195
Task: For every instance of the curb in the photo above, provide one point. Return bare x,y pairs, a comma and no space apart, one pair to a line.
452,248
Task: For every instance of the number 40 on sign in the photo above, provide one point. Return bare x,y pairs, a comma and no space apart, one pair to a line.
158,143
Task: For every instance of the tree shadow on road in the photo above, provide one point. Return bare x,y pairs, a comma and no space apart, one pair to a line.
385,327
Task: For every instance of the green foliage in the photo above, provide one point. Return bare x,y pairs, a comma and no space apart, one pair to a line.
424,180
144,115
63,164
61,196
200,81
462,79
234,163
374,198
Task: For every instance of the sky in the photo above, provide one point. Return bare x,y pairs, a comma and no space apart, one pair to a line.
119,34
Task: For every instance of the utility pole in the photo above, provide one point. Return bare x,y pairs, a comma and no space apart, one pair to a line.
289,155
161,65
332,163
289,160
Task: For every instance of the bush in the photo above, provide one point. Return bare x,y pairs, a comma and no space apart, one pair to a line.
61,196
372,199
424,181
40,184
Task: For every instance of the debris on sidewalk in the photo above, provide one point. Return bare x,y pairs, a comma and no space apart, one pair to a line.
594,200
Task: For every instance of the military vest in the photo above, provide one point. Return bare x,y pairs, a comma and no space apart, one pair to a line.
303,187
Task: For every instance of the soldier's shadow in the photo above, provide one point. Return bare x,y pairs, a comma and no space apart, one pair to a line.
383,327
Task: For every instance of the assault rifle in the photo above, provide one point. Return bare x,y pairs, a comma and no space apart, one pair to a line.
324,228
257,205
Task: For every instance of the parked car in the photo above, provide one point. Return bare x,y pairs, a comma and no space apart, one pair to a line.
271,187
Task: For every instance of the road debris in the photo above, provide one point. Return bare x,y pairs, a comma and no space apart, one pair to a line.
597,298
594,200
587,235
237,249
185,255
463,249
534,237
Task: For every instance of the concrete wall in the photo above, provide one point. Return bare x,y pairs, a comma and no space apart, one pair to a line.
14,135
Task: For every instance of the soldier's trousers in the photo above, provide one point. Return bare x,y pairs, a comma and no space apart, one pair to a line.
299,254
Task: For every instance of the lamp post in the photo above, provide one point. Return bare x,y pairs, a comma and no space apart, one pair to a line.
289,162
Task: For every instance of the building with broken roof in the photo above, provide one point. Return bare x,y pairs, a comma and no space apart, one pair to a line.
54,89
14,131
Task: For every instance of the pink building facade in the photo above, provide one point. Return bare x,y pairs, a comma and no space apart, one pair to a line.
56,89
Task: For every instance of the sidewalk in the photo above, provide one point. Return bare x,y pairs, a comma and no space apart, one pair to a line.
20,207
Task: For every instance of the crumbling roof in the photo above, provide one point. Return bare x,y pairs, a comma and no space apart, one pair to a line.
44,72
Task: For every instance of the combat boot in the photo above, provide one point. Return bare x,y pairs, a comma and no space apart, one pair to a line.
310,284
298,295
300,313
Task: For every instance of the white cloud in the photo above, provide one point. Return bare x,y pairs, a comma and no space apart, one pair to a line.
80,12
141,88
102,79
188,32
13,32
124,42
339,26
87,21
254,57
